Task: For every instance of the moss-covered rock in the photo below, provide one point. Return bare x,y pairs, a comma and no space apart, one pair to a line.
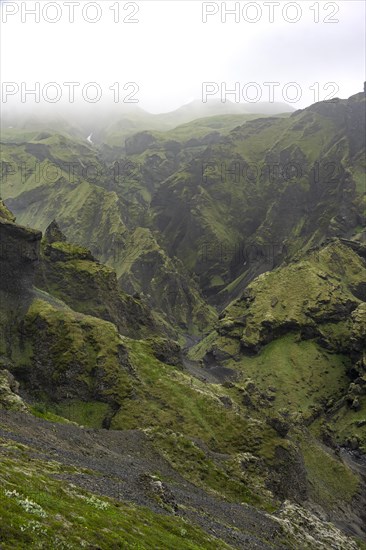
73,355
53,234
72,274
9,398
278,302
209,215
19,253
166,350
5,213
306,530
146,269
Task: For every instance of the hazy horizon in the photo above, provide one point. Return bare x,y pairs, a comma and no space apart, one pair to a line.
160,56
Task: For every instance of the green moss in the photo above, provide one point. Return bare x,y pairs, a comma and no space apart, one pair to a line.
350,425
70,250
84,413
227,478
167,398
41,512
303,375
145,268
199,350
217,281
66,343
5,213
40,410
331,481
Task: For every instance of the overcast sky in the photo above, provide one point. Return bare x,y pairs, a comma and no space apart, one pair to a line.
169,52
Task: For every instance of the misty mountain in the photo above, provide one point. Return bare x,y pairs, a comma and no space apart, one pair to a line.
183,328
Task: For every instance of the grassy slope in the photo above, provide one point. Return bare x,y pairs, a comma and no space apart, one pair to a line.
150,394
39,511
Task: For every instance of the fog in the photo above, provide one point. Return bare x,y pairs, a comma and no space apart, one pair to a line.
159,55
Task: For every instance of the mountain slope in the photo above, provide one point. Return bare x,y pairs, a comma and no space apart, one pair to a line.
253,432
307,341
230,440
268,189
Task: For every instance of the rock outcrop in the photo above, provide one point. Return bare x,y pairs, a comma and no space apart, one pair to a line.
19,254
72,274
9,397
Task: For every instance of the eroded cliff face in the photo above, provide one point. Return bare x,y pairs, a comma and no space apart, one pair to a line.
71,273
355,122
228,204
19,254
268,189
52,350
62,320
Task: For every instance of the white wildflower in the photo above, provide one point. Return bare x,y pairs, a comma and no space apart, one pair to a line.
27,504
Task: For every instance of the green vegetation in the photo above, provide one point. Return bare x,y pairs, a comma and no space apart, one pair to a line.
330,481
349,425
166,399
303,376
80,412
239,236
39,511
226,477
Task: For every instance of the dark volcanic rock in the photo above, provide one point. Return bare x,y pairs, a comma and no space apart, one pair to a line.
355,123
19,252
53,233
138,143
166,350
289,480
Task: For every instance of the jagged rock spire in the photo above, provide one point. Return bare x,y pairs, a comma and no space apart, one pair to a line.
54,234
5,213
